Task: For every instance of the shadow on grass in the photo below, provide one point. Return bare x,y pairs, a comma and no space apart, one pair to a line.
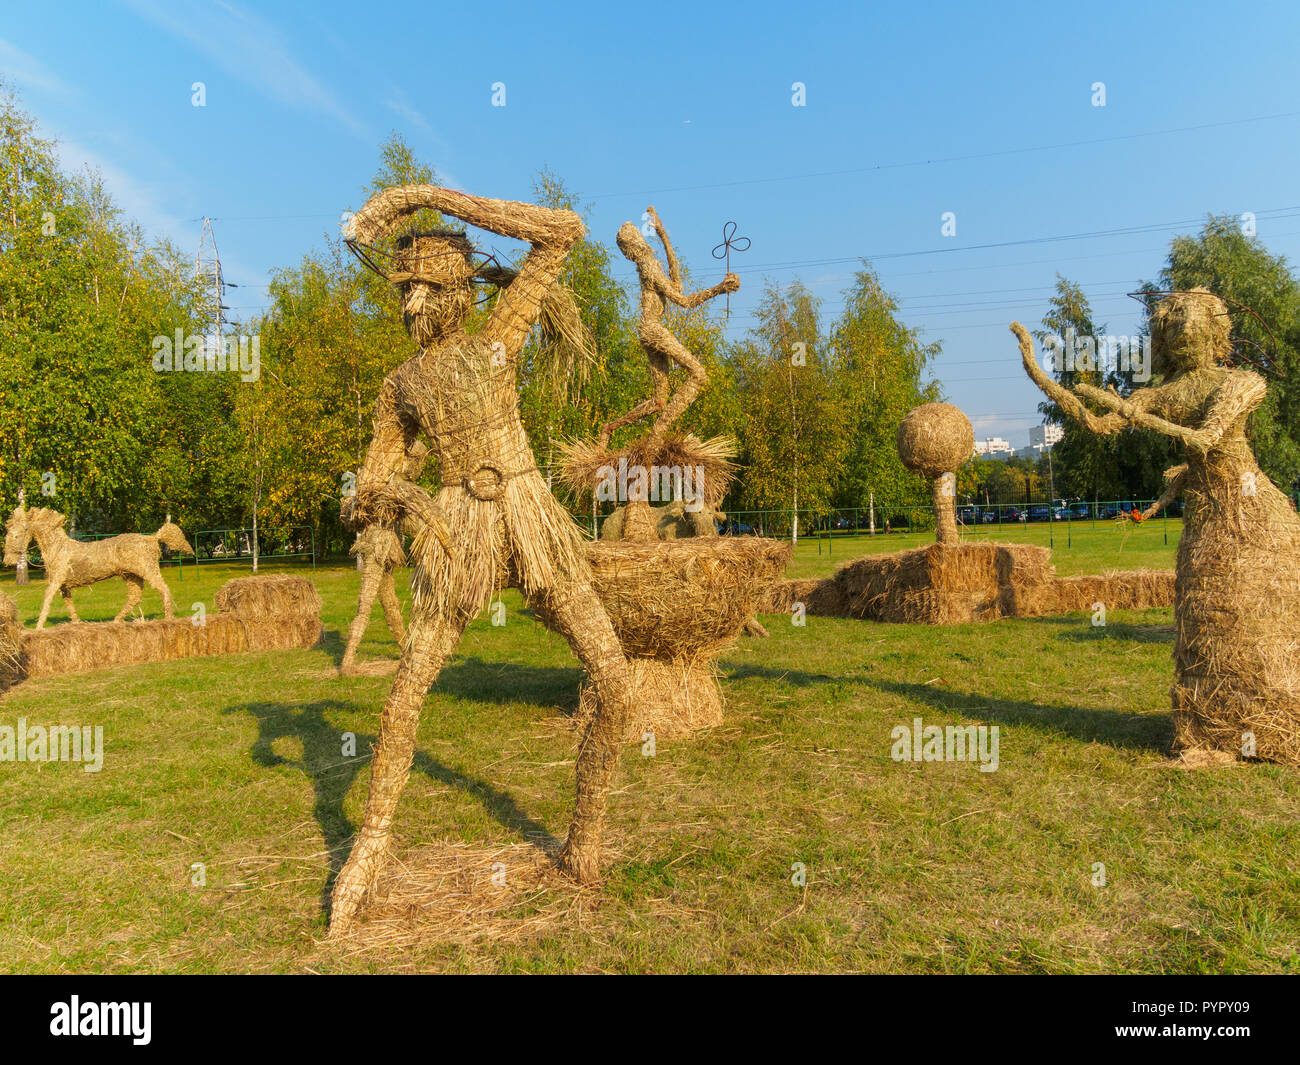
1079,628
504,683
797,677
333,644
332,775
1118,728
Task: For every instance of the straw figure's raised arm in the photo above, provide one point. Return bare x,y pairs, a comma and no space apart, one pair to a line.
1239,394
689,300
551,232
670,287
674,267
1064,398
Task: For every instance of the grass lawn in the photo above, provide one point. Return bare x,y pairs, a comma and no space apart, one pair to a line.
237,763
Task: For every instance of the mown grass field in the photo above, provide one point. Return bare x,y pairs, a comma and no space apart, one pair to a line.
916,867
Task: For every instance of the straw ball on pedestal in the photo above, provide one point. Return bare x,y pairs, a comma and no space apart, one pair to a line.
933,440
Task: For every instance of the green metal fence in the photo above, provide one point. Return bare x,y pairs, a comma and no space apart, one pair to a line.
1060,519
236,545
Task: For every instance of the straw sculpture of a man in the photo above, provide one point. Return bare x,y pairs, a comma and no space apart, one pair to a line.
1237,595
71,564
493,522
379,549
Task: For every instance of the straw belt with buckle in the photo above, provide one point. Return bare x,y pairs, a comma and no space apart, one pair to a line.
488,481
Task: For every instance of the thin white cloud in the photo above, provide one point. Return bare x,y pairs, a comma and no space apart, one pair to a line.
401,106
248,47
139,203
28,72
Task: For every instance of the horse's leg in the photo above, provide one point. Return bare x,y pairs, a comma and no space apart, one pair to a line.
156,582
392,608
370,578
430,642
134,590
578,615
66,592
54,581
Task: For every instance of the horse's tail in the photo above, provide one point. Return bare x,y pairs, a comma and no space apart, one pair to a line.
171,535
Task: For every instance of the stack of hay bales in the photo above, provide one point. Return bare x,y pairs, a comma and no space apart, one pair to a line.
676,605
1121,590
948,585
11,649
253,614
942,584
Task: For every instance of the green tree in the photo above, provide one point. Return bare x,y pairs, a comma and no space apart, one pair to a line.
795,427
878,366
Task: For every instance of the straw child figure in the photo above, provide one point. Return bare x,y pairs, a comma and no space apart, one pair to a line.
71,564
1237,596
379,547
494,522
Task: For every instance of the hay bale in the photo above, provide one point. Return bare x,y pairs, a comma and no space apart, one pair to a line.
821,597
255,614
933,440
1123,590
941,584
12,666
277,596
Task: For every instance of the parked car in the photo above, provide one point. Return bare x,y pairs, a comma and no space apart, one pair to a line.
1040,513
736,528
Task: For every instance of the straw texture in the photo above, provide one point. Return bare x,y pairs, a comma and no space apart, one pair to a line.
493,522
71,564
1237,596
934,439
253,614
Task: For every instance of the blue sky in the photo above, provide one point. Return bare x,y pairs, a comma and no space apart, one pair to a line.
912,110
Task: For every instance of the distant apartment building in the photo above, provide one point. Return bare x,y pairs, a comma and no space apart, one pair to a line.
994,447
1043,436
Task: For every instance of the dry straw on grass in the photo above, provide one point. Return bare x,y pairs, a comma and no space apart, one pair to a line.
933,440
461,894
254,614
1237,600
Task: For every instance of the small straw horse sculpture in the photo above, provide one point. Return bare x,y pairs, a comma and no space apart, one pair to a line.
73,564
